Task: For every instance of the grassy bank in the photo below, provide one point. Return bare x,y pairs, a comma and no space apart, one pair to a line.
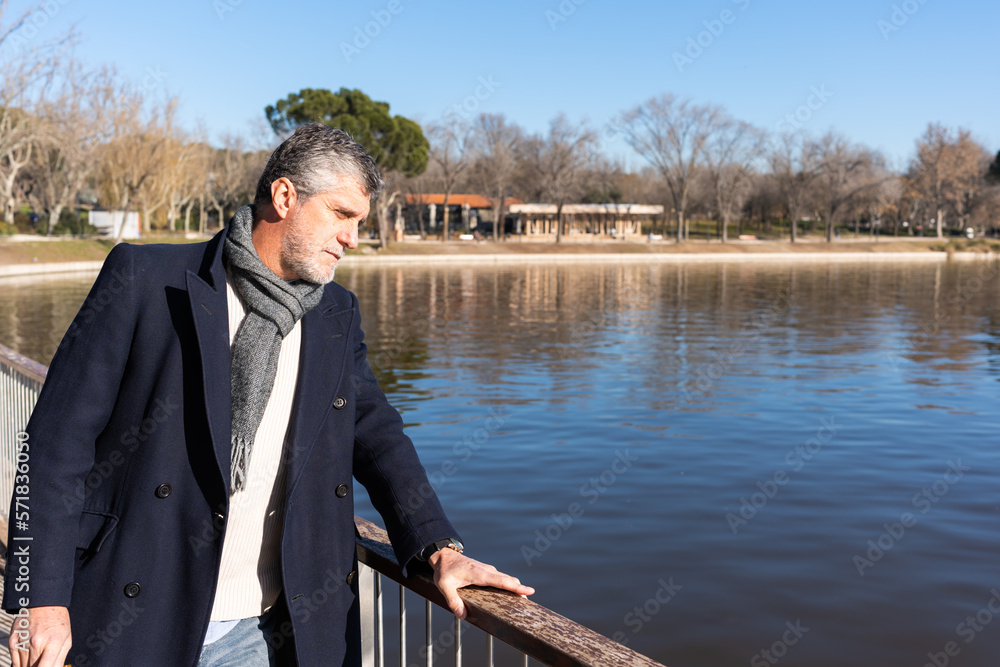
65,250
82,250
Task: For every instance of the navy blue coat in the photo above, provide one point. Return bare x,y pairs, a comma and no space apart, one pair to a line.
129,467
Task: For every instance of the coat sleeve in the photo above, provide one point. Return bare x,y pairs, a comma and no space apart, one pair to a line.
386,463
73,408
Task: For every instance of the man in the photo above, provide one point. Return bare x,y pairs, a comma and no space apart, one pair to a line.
190,458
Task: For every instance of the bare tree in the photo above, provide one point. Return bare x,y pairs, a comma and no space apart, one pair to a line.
794,169
419,188
20,132
232,176
731,154
671,135
24,80
559,161
764,201
948,172
194,187
186,175
450,143
156,191
393,194
496,143
74,123
132,155
845,172
886,204
929,171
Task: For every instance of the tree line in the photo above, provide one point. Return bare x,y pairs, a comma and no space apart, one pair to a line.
68,134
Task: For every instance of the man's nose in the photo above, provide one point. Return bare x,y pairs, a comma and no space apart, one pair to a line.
348,235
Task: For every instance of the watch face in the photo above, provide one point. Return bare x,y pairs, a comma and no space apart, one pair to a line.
450,543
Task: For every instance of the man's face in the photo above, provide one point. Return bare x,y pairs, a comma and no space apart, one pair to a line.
321,228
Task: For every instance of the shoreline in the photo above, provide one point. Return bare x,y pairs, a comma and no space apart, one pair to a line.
668,258
50,268
353,260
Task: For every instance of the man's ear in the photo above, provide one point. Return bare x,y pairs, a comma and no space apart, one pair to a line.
283,196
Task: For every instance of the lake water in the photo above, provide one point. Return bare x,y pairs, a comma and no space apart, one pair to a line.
704,461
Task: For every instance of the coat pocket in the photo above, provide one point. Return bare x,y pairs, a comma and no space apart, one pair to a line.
95,527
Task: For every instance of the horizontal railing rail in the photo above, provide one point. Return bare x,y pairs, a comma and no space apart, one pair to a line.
530,628
19,363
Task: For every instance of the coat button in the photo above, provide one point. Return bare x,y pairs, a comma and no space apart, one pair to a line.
339,402
163,490
342,490
350,578
132,590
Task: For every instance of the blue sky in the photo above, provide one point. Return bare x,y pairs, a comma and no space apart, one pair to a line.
883,70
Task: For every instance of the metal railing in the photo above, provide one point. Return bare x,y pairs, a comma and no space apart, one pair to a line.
20,381
531,629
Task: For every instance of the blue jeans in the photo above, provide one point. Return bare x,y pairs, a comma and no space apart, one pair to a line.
248,644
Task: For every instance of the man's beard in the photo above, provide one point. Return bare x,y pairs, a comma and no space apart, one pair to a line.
301,254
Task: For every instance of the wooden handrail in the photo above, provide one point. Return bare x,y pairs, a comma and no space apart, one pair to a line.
22,364
529,627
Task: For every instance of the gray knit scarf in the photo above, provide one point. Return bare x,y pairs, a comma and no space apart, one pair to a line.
273,307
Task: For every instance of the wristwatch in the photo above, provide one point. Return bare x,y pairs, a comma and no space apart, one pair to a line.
450,543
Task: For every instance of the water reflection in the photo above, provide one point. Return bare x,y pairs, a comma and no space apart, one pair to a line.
35,311
686,332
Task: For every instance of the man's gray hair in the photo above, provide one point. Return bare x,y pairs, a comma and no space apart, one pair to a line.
313,158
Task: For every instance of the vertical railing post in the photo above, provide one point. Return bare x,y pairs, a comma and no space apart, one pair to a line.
402,626
366,604
379,623
428,640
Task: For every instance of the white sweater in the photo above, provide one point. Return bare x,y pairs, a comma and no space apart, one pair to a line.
250,573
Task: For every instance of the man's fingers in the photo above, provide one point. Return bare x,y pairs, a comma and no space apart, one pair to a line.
51,656
454,602
509,583
15,660
453,571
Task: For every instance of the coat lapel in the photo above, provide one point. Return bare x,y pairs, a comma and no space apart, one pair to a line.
325,332
210,310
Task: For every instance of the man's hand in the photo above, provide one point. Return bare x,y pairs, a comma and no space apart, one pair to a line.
452,571
40,639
